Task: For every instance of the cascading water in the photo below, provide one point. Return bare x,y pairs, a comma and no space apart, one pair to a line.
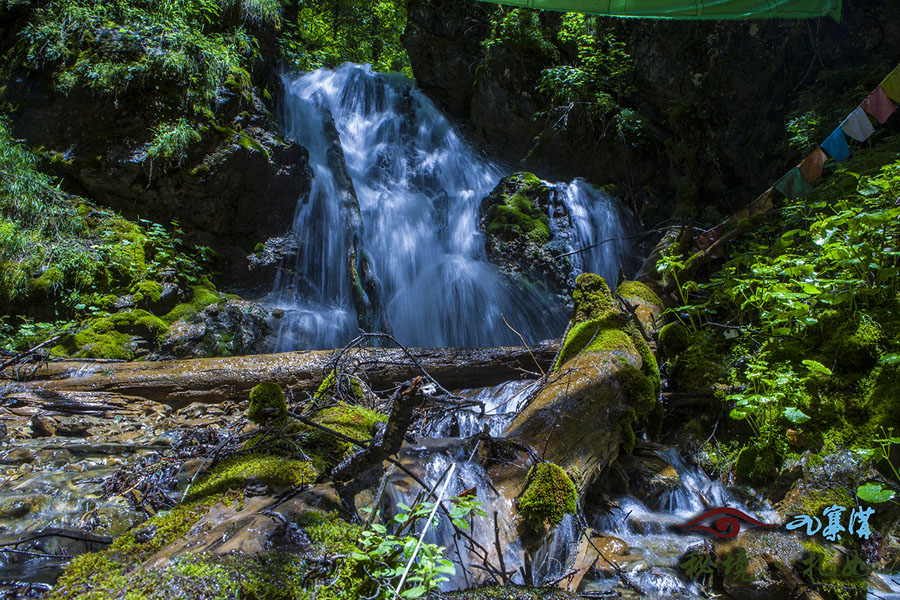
388,234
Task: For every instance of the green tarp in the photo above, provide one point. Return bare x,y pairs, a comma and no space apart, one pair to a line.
690,9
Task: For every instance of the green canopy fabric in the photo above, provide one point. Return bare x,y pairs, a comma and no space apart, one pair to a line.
690,9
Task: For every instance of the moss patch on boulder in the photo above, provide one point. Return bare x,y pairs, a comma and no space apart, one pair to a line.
514,210
268,406
549,495
235,473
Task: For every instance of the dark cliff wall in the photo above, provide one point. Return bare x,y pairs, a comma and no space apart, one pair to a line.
712,97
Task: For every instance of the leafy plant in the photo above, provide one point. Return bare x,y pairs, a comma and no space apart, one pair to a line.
876,493
385,555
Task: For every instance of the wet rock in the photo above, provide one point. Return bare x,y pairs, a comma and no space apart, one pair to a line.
771,556
74,426
15,508
233,328
42,426
518,237
650,478
590,561
4,431
17,456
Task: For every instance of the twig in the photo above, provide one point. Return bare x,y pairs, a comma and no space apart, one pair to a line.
499,550
425,530
524,344
30,351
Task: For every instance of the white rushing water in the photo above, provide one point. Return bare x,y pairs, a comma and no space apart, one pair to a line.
376,142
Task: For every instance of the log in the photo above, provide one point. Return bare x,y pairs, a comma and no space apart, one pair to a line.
212,380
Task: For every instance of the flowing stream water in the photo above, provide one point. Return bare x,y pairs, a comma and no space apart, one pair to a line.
388,235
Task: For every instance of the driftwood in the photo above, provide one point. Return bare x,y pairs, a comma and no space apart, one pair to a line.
211,380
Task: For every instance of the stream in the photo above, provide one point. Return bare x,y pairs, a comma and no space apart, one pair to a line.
388,234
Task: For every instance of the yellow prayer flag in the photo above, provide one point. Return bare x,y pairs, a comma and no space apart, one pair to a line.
891,85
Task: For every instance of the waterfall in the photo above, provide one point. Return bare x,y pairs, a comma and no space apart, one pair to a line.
388,235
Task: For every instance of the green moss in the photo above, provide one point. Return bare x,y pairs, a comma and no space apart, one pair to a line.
516,210
147,292
352,420
106,337
855,344
237,472
636,289
326,389
674,339
549,495
758,463
834,588
201,296
268,406
597,335
592,297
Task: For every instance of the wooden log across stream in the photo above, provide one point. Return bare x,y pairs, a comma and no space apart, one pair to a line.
180,382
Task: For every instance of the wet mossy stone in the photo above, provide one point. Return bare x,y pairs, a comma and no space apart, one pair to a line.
548,497
597,323
674,339
237,472
514,209
268,406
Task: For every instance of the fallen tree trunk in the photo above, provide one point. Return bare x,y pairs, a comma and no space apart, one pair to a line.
180,382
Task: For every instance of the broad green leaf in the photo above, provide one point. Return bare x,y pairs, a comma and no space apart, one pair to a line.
415,592
795,415
874,493
890,359
817,367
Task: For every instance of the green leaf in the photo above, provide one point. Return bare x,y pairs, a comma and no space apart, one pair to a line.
817,367
795,415
890,359
874,493
415,592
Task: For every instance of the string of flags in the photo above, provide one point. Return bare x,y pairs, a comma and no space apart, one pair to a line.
797,183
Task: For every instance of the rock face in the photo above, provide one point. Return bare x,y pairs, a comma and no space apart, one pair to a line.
712,97
231,328
229,194
519,236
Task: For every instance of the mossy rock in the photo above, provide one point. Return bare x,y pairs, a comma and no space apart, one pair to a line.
237,472
268,406
202,295
515,209
107,337
674,339
548,497
597,335
758,463
638,290
855,345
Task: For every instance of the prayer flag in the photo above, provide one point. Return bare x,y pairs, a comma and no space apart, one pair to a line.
857,125
878,105
891,85
836,145
793,185
811,167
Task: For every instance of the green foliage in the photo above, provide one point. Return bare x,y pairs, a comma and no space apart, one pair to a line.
802,131
327,33
809,303
549,495
63,259
876,493
171,140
